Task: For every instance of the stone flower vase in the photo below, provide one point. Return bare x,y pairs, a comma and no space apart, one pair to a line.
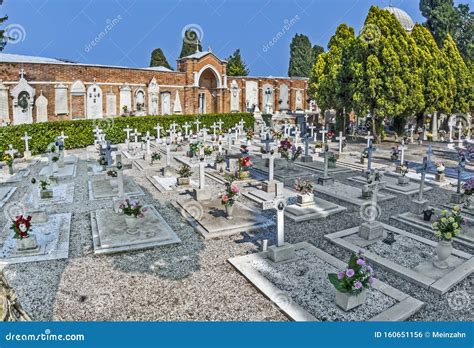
440,176
427,214
29,243
183,181
362,160
10,170
305,200
131,222
347,301
55,167
403,180
48,193
229,210
443,252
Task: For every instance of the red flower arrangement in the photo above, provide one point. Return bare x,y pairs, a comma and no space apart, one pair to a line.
21,226
245,162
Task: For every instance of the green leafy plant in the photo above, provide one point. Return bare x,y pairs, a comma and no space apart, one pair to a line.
44,184
55,159
355,278
229,197
155,156
449,224
185,171
304,187
132,208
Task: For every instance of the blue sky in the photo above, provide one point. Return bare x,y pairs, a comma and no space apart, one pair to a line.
65,29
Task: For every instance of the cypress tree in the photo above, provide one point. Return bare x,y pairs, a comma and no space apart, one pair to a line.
190,43
158,58
236,66
3,37
301,53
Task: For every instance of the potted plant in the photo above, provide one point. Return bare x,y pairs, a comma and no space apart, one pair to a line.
155,156
208,150
133,211
427,214
363,156
276,134
45,191
219,163
229,197
55,160
249,136
468,188
9,162
352,283
245,163
194,149
332,161
184,173
402,179
21,226
113,175
446,227
440,168
289,152
305,195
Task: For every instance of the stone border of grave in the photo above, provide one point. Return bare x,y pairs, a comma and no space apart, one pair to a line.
18,176
162,189
407,218
8,196
393,187
198,227
300,214
329,191
110,249
311,166
440,286
61,251
405,308
92,197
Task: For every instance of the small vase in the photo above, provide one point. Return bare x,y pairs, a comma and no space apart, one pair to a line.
427,214
46,193
362,160
443,252
28,243
403,180
55,167
10,170
347,301
183,181
229,210
131,222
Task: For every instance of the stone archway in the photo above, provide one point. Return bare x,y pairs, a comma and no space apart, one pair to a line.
208,91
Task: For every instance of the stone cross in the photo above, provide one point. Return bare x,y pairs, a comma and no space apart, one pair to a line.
171,134
402,152
429,153
341,139
450,125
197,123
173,126
202,175
459,134
271,156
147,139
306,119
126,130
135,135
204,133
26,138
374,187
412,129
220,123
168,153
267,141
313,133
306,139
158,132
423,169
323,134
369,138
369,149
214,128
186,127
22,73
286,126
11,151
326,155
63,137
297,136
461,164
229,139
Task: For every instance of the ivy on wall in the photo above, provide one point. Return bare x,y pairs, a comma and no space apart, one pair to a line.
80,132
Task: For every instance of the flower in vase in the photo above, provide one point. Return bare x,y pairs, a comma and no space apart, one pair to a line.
350,272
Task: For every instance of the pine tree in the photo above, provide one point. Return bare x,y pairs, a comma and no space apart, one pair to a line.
300,56
158,58
236,66
3,38
315,52
191,43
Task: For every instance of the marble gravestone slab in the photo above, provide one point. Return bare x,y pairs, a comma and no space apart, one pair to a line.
208,218
167,184
318,166
301,289
349,193
66,172
110,233
17,176
283,171
321,209
5,193
354,163
410,257
52,237
466,237
391,184
62,194
255,194
103,189
133,155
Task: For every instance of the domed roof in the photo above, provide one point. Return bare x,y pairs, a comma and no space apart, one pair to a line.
403,17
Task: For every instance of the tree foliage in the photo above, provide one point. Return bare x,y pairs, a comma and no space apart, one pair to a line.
191,43
236,66
3,37
158,58
301,53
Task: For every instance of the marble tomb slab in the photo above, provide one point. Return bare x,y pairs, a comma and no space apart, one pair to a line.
18,175
349,193
66,172
321,209
62,194
301,290
391,184
168,184
110,233
282,170
5,193
52,237
208,218
410,257
318,166
101,188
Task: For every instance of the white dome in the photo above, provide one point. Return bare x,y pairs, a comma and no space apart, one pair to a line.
403,17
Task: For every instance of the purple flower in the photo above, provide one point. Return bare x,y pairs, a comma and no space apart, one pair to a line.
350,272
370,269
371,280
360,262
361,252
357,285
340,275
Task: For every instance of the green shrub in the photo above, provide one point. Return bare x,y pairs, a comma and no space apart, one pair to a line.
81,133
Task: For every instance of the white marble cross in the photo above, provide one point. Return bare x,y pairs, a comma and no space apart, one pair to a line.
306,119
271,162
220,123
402,152
197,123
171,134
341,139
186,127
297,135
168,153
460,127
323,134
147,139
267,141
313,133
63,137
173,126
135,135
202,174
286,126
369,138
26,138
11,151
204,133
158,129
